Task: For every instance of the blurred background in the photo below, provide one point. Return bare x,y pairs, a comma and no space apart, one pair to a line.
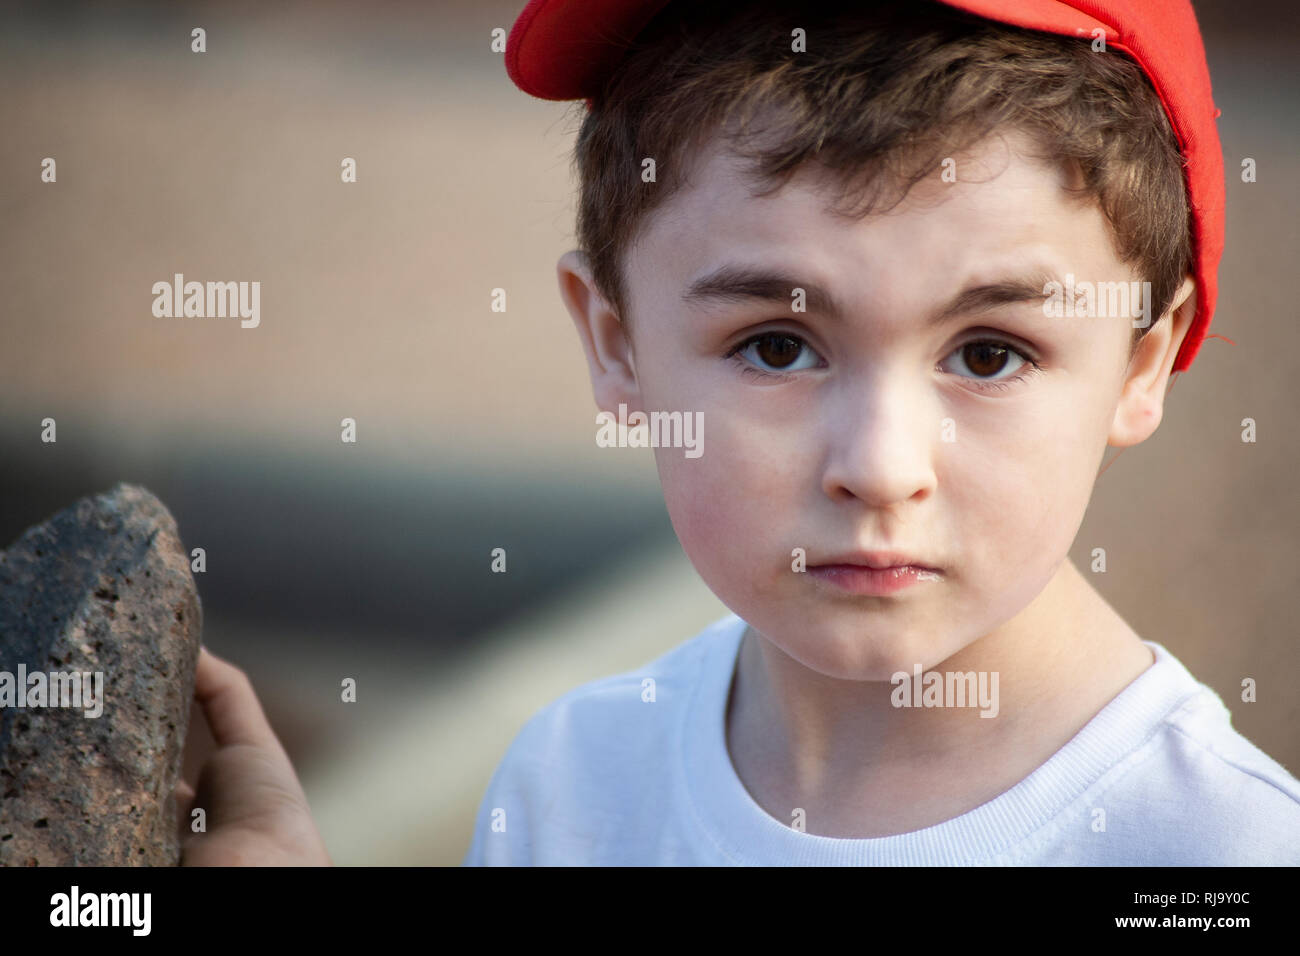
328,560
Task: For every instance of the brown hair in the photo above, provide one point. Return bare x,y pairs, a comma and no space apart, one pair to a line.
881,96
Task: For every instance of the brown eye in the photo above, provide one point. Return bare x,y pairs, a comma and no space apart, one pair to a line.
984,358
777,350
989,363
775,353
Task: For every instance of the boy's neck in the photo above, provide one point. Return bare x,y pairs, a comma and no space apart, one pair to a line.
860,767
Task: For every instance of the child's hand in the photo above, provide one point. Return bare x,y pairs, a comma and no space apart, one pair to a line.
256,811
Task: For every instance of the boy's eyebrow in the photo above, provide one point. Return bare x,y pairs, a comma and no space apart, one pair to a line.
733,283
1007,290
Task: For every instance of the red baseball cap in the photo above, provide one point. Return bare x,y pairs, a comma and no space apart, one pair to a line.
565,49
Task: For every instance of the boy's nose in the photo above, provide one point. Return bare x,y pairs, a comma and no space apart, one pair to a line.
880,444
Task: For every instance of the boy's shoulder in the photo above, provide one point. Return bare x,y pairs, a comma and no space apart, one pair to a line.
1205,725
1237,801
642,706
1195,791
591,761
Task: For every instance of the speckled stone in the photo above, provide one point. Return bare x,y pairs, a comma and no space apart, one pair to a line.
104,587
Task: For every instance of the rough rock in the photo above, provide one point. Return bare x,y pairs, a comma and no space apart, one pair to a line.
102,587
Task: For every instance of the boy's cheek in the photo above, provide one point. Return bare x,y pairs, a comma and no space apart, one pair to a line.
702,496
731,529
1022,551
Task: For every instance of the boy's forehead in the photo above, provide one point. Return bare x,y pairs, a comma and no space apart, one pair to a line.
999,172
1006,207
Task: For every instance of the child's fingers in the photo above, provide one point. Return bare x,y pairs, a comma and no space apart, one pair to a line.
184,805
230,704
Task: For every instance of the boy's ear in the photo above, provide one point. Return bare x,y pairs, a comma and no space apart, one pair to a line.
1142,401
609,350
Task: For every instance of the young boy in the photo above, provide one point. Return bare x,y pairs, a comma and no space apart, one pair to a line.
915,268
879,250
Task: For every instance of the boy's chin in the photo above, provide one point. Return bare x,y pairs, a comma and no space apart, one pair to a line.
859,654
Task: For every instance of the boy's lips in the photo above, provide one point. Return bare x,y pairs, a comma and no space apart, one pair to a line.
874,573
877,560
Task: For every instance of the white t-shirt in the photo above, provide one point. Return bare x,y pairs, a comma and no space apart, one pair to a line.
602,777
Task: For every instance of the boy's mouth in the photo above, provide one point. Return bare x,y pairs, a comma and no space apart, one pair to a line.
877,561
875,573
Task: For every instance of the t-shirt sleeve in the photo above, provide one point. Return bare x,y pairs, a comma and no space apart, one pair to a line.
503,823
566,790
